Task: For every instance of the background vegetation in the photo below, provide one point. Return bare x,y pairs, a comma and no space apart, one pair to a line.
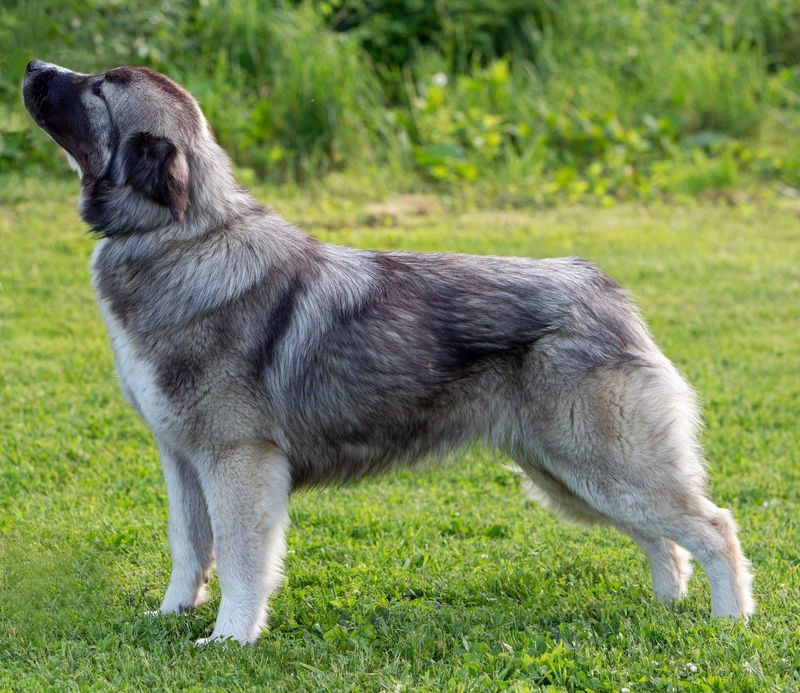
434,580
528,100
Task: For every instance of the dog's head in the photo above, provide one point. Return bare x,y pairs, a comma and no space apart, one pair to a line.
132,134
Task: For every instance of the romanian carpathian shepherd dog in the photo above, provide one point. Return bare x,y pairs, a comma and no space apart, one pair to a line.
265,361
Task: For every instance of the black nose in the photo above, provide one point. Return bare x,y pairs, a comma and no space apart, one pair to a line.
35,66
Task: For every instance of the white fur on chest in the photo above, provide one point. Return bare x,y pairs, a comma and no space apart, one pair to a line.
138,377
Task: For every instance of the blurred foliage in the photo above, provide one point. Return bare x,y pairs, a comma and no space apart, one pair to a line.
393,31
552,99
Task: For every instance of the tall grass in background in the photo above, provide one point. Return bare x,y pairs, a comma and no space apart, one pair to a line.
538,98
285,95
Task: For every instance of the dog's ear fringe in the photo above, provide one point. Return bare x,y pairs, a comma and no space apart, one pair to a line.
157,169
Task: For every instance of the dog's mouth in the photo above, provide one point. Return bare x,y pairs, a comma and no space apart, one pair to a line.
51,95
43,87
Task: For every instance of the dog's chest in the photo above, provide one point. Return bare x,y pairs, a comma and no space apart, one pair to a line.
139,379
135,368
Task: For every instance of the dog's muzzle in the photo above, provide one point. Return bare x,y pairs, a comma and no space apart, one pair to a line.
45,88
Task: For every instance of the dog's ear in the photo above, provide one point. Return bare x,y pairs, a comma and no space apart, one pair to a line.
155,167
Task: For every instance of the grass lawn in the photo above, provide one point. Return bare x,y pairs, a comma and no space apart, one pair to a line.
443,579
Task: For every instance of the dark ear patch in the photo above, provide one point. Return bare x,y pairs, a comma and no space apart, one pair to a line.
156,168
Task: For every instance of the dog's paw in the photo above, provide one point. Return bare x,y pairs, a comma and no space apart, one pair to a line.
202,642
162,611
220,640
176,604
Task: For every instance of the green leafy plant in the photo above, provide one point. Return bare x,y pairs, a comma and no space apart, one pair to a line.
530,102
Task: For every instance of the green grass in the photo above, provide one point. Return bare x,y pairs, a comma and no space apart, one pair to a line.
443,579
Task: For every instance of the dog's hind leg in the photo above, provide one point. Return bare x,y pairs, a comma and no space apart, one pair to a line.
663,518
670,565
248,492
552,494
631,454
709,533
190,538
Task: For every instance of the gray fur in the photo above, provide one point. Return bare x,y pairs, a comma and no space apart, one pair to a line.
264,360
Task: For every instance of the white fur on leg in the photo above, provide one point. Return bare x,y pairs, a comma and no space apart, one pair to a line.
182,593
671,583
190,537
275,556
728,571
710,535
670,565
248,492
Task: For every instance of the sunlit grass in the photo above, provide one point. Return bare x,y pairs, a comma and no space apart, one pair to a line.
445,579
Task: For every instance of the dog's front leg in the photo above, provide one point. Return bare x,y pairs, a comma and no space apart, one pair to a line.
248,492
190,539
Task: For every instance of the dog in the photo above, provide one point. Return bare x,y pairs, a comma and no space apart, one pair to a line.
265,361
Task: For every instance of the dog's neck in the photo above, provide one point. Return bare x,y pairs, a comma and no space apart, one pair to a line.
212,207
225,245
117,211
